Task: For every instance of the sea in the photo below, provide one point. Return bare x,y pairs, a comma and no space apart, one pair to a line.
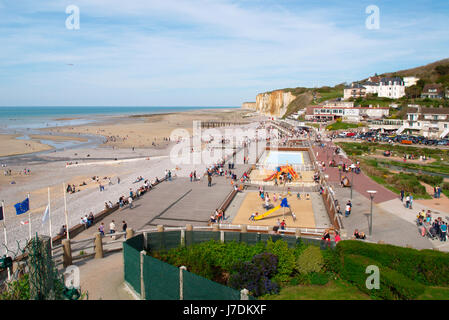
24,121
17,118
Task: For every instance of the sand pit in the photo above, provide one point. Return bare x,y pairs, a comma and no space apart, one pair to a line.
252,203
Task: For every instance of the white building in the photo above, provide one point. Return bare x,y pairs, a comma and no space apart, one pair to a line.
392,88
428,122
410,81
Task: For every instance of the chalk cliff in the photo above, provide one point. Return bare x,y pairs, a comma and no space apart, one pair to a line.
274,103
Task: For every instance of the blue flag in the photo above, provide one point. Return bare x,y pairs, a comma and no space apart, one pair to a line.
284,203
22,207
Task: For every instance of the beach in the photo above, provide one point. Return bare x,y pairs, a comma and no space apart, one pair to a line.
50,171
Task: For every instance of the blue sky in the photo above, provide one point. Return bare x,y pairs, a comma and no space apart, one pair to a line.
204,52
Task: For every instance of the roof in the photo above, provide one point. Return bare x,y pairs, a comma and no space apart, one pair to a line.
392,79
355,86
428,110
433,86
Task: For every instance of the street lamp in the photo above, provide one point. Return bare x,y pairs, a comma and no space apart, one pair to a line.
352,166
371,195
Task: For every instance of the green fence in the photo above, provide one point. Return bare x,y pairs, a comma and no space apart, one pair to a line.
131,263
162,280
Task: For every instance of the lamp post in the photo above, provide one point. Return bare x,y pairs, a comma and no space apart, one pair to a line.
371,195
352,166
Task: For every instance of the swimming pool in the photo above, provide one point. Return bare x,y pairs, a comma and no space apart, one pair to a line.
283,157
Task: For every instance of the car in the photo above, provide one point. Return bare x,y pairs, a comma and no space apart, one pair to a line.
350,134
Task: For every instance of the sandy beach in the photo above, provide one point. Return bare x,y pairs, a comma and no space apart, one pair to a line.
10,145
51,170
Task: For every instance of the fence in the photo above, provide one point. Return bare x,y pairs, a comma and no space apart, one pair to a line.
153,279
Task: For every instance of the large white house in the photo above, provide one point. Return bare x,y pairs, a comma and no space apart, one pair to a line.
393,88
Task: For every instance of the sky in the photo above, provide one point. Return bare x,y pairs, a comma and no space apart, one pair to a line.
205,52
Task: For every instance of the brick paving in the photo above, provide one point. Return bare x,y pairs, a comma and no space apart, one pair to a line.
361,182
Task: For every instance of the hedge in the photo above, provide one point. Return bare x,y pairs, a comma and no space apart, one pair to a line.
429,267
392,284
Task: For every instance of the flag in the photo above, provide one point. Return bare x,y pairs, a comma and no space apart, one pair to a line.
284,203
45,217
23,206
24,222
1,213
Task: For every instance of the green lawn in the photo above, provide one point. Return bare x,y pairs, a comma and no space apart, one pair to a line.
435,293
333,290
341,126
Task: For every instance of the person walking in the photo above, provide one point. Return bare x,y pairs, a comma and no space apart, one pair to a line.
118,180
101,229
209,179
402,195
124,227
130,202
112,229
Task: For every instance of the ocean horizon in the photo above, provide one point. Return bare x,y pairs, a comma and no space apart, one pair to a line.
23,117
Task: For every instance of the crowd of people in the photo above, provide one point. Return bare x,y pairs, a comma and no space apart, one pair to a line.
433,228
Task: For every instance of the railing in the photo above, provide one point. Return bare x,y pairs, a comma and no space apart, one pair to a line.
96,247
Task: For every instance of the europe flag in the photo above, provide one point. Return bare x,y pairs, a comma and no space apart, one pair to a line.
23,206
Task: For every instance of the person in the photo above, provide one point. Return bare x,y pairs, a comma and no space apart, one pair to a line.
283,225
112,227
213,220
411,202
82,222
209,179
191,176
326,235
443,231
293,216
63,231
130,202
252,217
347,210
337,237
402,195
124,227
356,234
90,218
407,201
118,180
101,229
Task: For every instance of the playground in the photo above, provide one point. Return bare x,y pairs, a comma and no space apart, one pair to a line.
275,167
253,203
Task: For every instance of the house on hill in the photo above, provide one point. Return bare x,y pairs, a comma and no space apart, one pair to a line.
432,91
428,122
355,90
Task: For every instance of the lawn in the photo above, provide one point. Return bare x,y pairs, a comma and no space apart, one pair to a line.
435,293
341,126
333,290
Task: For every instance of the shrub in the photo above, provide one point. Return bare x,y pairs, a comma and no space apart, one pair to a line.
254,275
393,285
286,256
431,180
425,266
318,278
311,260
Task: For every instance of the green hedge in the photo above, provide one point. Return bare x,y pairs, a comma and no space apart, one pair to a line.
429,267
392,284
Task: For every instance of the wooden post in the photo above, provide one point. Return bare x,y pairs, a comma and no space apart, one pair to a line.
298,233
67,253
215,227
160,228
189,227
129,233
98,246
244,228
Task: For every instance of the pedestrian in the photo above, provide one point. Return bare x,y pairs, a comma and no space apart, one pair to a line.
402,195
118,180
130,201
411,202
124,227
101,229
112,229
191,176
209,179
407,201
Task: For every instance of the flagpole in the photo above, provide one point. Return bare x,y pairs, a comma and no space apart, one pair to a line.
65,212
49,218
29,216
6,238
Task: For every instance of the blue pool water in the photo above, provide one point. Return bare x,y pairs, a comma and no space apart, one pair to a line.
284,157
